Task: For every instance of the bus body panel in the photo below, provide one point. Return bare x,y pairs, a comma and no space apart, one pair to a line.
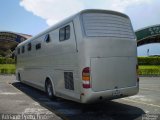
110,47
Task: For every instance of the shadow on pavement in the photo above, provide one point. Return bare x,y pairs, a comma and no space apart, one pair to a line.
70,110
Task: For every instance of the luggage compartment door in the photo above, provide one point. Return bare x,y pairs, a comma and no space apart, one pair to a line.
113,73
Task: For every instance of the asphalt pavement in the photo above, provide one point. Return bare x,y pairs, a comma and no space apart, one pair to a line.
19,99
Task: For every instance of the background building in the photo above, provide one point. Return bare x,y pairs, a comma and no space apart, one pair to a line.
9,40
149,35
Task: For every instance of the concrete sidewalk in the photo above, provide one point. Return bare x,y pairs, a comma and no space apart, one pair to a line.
14,102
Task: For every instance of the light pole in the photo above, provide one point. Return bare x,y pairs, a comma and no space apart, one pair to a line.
148,52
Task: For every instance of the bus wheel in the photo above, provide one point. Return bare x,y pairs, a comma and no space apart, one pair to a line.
49,89
19,77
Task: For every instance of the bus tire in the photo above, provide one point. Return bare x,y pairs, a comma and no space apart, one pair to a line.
19,77
49,89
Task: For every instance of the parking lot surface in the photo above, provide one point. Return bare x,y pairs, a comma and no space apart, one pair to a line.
18,98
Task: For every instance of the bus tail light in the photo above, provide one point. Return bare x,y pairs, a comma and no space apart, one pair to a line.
86,77
137,73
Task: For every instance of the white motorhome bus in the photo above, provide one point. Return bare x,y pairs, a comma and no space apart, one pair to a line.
89,57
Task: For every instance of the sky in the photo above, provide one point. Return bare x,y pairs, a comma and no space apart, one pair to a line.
14,17
34,16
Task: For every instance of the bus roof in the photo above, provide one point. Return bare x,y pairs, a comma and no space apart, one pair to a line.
63,22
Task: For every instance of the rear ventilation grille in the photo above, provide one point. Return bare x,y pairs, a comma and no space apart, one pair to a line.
68,79
107,25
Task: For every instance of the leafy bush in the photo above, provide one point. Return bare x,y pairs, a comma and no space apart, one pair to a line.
4,60
148,60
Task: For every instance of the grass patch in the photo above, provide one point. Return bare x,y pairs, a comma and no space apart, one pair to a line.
149,70
143,69
7,68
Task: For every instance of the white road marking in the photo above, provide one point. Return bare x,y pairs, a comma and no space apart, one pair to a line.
141,98
140,102
149,89
9,93
36,111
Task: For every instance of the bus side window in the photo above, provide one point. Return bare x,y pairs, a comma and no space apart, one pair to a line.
47,38
64,33
38,46
23,49
29,46
16,59
67,31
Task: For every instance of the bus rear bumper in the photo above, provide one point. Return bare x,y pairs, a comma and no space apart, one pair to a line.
89,96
